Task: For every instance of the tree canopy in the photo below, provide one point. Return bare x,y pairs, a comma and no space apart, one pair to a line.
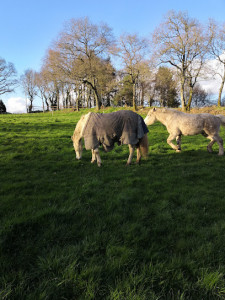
2,107
8,79
181,42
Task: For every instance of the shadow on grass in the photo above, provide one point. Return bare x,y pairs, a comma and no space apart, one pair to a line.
156,229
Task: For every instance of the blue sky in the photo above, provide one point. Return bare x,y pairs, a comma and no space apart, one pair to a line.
29,27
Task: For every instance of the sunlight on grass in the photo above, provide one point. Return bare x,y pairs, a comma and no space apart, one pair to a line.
72,230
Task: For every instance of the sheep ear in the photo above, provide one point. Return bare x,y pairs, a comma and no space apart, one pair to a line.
72,138
154,109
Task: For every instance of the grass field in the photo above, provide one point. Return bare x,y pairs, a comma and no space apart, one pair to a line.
71,230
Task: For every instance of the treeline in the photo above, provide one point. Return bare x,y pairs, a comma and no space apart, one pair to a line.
87,67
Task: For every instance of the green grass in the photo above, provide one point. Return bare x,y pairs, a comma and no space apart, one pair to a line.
71,230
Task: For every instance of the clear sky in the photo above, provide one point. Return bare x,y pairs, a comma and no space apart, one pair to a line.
29,27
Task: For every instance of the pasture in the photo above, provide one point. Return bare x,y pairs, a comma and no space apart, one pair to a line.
71,230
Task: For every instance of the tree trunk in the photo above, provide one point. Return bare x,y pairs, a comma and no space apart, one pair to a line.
43,104
46,102
89,98
221,88
150,100
57,98
188,107
97,98
66,104
142,94
77,100
95,91
134,96
77,104
182,97
31,104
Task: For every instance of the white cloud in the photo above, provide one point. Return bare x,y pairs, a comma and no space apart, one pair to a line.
211,86
16,105
213,82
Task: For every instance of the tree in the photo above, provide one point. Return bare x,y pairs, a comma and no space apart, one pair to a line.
8,79
42,86
223,101
181,42
125,93
144,82
200,97
106,79
53,78
132,52
82,47
165,87
217,49
29,86
2,107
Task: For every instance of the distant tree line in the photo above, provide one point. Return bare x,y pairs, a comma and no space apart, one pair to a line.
2,107
87,67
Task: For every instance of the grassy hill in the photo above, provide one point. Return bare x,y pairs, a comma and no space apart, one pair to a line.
71,230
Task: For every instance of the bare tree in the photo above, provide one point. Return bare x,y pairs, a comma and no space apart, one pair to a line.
180,42
54,77
145,81
43,86
8,79
29,86
83,47
217,49
132,52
